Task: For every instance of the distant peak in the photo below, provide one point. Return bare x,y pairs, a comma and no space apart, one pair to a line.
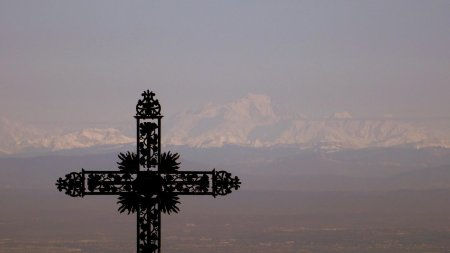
256,96
256,99
255,105
341,115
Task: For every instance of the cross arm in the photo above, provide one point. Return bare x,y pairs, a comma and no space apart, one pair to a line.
78,184
199,182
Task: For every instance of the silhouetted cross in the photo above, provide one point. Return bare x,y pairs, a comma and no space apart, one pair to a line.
148,182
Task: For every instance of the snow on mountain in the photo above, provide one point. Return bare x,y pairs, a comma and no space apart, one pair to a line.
252,121
85,138
15,138
216,125
336,133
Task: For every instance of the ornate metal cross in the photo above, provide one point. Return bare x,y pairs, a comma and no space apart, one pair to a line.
148,182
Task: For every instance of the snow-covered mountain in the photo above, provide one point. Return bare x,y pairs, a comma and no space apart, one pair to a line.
254,121
16,138
86,138
216,125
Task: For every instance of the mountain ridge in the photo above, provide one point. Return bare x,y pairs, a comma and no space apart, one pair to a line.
254,121
251,121
16,138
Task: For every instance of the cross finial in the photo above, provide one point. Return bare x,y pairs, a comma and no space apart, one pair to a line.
148,106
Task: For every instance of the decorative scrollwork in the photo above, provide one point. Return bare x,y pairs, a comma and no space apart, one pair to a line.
148,106
108,182
149,229
224,183
72,184
148,144
186,182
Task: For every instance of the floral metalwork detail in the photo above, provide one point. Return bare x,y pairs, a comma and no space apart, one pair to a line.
169,162
72,184
148,144
224,183
108,182
128,162
148,106
149,183
187,182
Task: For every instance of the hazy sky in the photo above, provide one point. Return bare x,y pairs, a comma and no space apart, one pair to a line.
88,61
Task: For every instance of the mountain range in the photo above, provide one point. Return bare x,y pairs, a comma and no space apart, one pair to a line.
252,121
17,138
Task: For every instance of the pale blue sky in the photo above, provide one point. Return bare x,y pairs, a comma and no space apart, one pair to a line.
84,62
